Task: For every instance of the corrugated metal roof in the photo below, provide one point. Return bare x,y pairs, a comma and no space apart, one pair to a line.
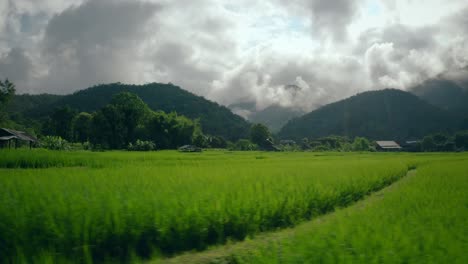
20,135
8,137
388,144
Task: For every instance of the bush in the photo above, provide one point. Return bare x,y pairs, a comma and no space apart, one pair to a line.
218,142
461,140
244,145
54,143
200,141
141,145
362,144
87,145
321,148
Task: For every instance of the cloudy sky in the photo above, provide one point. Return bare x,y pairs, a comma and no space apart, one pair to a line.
233,51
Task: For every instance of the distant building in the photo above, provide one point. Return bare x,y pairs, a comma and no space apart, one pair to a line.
190,148
269,146
388,146
9,136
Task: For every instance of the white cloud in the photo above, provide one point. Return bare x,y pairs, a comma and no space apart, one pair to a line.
233,51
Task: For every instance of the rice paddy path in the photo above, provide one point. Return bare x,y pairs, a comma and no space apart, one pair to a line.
221,254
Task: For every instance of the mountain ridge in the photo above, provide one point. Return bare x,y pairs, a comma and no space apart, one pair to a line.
382,114
214,118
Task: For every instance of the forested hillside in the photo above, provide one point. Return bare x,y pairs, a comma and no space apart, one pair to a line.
26,103
384,114
444,94
215,119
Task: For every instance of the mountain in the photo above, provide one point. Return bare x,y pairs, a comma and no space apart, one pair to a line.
26,103
274,116
215,119
384,114
444,94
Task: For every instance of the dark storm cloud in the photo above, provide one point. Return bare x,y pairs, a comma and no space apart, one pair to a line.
329,17
16,66
193,50
95,42
232,51
104,22
176,62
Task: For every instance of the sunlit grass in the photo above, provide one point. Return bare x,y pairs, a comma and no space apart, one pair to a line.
84,206
421,220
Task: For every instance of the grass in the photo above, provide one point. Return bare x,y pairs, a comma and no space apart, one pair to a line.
119,206
41,158
422,219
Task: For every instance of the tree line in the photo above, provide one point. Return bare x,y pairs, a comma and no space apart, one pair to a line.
128,123
123,122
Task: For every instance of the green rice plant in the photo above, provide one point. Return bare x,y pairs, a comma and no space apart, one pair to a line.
421,220
115,206
41,158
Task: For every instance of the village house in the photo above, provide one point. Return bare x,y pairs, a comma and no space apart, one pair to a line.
12,138
388,146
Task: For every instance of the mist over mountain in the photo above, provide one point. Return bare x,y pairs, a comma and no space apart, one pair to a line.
445,94
273,116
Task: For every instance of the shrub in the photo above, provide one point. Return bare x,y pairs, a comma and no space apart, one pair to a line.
244,145
54,143
361,144
87,145
141,145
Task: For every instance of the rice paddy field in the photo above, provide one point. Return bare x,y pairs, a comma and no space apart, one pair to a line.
233,207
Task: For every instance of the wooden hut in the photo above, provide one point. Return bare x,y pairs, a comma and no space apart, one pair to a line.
190,148
9,136
388,146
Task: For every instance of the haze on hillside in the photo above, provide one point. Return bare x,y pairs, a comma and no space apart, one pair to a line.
234,52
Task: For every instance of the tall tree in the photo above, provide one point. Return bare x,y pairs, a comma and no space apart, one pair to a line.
61,122
132,110
7,90
428,144
157,127
260,135
361,144
461,140
82,126
108,128
170,130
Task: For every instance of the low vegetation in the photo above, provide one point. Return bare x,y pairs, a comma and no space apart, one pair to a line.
67,201
420,220
118,205
217,120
